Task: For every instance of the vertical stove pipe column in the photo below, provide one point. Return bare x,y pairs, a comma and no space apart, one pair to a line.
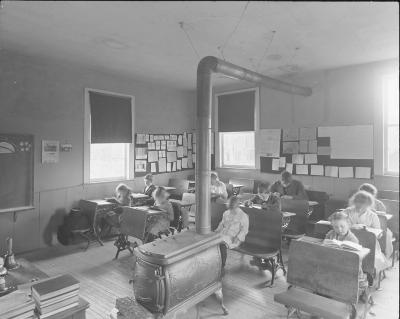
207,66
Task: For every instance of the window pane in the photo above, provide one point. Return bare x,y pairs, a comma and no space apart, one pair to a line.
237,149
391,99
393,149
108,161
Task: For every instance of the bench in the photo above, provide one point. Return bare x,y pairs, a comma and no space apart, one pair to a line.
263,241
323,281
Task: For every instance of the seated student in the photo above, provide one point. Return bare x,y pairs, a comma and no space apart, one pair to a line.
341,228
360,214
161,201
122,198
261,196
380,207
218,189
233,227
289,188
149,189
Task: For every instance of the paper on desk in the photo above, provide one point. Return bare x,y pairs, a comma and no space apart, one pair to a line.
298,158
363,172
346,172
302,169
331,171
310,159
317,170
289,168
275,164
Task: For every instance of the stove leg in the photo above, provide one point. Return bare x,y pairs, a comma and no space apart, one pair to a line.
220,298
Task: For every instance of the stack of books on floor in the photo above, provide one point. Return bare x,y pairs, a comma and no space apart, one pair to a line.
55,295
17,305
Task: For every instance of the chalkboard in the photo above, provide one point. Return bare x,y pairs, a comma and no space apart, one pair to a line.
16,172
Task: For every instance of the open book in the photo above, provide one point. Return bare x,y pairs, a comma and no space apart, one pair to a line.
342,244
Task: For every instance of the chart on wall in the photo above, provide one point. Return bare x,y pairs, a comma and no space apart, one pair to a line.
336,151
164,153
16,171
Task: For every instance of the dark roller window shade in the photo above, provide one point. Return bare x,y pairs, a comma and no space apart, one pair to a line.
236,112
111,118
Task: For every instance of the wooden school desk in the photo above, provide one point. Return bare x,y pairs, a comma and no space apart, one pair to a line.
26,275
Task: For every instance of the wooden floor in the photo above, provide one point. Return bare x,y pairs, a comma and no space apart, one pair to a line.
104,279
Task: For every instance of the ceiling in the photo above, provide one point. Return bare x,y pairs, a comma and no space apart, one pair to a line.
145,40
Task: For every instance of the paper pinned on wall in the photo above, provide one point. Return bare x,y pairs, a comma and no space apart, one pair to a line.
163,145
179,164
303,146
171,157
184,162
158,147
290,134
151,146
331,171
189,141
302,169
184,139
312,146
147,138
153,167
180,139
363,172
140,139
324,150
298,158
162,165
270,142
174,166
282,162
169,167
289,168
317,170
324,131
141,153
152,156
194,138
140,166
194,158
160,137
190,159
179,151
185,151
308,133
171,146
310,159
275,164
346,172
173,137
290,147
151,138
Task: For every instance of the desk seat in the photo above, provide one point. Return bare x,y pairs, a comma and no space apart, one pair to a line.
314,304
257,251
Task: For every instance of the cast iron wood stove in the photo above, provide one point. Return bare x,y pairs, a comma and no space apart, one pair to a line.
176,273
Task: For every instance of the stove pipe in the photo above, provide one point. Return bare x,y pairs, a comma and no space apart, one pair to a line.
206,67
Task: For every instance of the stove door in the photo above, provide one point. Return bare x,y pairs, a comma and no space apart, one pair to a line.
149,285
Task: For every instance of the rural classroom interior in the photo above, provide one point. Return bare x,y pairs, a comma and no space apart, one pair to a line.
199,159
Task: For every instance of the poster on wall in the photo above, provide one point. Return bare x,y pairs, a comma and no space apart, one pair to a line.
50,151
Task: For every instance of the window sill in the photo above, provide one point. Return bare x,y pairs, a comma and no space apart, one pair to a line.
105,181
237,167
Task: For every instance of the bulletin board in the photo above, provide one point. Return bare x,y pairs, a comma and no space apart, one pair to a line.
336,151
164,153
16,172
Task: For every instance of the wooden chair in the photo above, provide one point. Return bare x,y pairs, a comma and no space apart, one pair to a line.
298,223
263,242
323,281
181,185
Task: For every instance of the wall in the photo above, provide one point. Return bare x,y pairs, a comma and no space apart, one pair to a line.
45,97
343,96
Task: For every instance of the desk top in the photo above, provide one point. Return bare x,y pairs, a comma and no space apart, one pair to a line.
237,185
149,209
377,232
169,188
183,204
312,203
139,196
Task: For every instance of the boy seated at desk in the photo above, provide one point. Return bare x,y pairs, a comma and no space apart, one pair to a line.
219,193
379,207
289,188
341,228
264,198
361,215
149,189
122,198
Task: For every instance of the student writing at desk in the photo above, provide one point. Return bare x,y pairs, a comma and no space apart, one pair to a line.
361,215
218,189
379,207
149,189
289,188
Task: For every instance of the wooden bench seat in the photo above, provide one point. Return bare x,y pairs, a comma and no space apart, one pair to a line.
257,251
314,304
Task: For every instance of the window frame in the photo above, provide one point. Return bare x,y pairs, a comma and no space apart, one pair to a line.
129,164
386,127
218,148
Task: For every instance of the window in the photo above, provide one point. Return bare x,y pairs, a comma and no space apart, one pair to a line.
109,161
391,124
237,149
109,119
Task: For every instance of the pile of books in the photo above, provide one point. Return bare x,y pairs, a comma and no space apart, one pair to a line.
55,295
16,305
